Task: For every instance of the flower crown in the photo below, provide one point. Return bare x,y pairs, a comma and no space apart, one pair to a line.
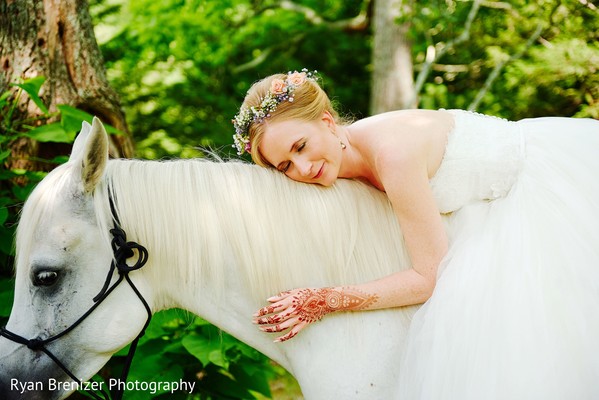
280,91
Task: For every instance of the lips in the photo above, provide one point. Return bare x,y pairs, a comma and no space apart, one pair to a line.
319,174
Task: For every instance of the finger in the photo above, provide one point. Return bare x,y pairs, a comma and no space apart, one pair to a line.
277,318
292,333
282,306
279,296
270,309
280,327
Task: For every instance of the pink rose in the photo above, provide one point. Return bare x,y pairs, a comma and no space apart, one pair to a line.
297,78
277,86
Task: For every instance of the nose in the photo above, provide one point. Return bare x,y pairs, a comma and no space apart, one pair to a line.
303,166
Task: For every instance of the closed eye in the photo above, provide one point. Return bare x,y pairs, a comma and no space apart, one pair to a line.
283,167
299,146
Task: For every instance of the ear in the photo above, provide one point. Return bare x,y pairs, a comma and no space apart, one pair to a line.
328,119
93,154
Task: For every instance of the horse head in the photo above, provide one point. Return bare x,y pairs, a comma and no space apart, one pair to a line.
63,259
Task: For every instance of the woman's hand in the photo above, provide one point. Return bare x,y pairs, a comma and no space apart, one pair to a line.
295,309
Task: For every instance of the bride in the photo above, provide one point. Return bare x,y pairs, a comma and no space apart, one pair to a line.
510,283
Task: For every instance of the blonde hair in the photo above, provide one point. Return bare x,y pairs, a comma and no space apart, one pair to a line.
309,103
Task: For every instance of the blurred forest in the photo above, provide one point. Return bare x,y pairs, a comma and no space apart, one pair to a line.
169,76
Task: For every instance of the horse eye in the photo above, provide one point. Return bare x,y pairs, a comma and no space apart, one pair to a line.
45,278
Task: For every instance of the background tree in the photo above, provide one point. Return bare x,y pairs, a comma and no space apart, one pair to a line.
55,39
50,70
392,64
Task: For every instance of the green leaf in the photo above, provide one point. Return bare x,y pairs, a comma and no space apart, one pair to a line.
71,117
163,322
6,174
251,376
204,350
3,98
4,155
6,296
32,87
224,384
50,133
21,193
151,364
6,239
3,215
59,159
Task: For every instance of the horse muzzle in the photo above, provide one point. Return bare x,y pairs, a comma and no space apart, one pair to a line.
28,375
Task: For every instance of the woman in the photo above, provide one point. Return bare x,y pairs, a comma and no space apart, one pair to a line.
511,286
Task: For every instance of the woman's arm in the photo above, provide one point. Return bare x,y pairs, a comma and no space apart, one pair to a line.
406,183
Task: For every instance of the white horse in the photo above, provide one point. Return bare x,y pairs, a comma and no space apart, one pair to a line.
221,237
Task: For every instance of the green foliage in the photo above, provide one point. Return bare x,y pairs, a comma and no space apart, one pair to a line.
178,346
557,75
179,64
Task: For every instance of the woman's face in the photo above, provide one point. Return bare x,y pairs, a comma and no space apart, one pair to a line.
304,151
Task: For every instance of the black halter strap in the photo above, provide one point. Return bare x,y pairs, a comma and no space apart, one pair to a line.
122,250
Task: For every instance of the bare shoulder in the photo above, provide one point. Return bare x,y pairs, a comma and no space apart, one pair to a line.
406,121
412,141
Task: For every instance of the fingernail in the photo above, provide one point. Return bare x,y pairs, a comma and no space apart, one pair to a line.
271,298
256,314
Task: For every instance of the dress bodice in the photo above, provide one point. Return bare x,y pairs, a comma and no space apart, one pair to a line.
482,160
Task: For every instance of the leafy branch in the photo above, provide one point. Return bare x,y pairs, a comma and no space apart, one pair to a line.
434,53
500,65
360,22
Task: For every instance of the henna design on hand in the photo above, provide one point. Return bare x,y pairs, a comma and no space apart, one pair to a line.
311,305
298,308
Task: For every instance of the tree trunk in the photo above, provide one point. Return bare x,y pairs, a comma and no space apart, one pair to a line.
393,74
55,39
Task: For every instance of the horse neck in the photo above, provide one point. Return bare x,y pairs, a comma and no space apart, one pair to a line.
177,211
170,208
224,237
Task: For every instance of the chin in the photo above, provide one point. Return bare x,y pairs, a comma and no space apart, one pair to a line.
327,182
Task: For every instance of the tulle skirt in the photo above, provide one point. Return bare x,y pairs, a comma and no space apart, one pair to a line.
515,313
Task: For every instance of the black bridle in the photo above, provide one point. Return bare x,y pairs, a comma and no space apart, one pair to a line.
122,250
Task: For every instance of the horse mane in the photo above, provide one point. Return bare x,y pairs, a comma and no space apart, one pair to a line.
204,219
202,215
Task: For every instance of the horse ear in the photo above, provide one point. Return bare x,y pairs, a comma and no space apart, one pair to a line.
80,141
94,155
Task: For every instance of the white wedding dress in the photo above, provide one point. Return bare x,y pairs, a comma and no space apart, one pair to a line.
515,313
